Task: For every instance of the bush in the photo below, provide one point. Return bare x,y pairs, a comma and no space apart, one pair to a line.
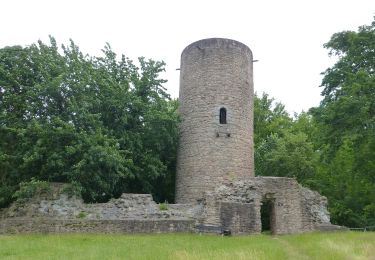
73,189
163,206
29,189
82,215
5,195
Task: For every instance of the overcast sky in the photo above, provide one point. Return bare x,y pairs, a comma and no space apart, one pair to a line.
286,36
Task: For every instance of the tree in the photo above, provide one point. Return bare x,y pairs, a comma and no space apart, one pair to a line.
269,118
346,123
100,122
282,148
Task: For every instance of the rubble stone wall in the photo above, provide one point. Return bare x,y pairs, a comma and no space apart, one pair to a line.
236,205
36,225
239,218
57,212
59,205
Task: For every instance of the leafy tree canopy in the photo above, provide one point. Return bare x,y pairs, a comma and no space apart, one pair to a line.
332,147
346,123
100,122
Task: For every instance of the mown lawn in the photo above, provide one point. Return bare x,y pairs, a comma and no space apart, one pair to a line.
343,245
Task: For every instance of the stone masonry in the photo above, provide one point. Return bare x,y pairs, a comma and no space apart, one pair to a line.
57,212
215,74
215,162
235,206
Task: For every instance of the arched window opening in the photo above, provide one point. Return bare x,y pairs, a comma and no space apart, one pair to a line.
223,115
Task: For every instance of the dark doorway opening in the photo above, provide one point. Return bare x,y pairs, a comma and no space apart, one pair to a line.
267,213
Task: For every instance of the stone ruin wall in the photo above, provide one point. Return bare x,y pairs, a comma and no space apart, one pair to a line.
115,226
234,205
57,212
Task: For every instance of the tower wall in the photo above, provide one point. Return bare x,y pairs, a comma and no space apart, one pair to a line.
215,74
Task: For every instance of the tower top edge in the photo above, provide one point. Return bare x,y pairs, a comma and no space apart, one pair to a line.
217,43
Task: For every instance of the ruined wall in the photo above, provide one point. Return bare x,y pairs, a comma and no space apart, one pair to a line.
235,205
215,73
59,205
35,225
57,212
314,211
239,217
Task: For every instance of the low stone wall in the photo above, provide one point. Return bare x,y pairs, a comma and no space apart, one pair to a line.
236,206
18,225
58,205
239,218
57,212
314,210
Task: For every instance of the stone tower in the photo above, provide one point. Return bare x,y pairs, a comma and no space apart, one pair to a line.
216,109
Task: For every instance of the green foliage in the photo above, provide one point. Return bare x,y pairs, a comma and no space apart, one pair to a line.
346,123
29,189
6,194
82,215
269,118
288,156
163,206
73,189
282,146
332,147
100,122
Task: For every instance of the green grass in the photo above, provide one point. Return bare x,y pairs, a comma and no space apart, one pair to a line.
343,245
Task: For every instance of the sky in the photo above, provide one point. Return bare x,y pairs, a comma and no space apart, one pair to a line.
286,36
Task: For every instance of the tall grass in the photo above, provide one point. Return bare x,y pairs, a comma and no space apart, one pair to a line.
343,245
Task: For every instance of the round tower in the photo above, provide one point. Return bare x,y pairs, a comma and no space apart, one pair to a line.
216,110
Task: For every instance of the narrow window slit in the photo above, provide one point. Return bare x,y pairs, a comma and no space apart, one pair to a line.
223,115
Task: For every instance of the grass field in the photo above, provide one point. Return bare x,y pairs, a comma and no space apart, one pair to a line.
343,245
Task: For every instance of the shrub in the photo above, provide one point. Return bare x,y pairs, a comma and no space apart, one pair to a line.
163,206
72,189
82,214
29,189
5,195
